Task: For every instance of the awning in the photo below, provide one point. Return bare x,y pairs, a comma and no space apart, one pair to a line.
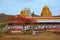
49,21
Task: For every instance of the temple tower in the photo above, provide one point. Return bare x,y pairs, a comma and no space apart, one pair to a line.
22,13
46,11
25,12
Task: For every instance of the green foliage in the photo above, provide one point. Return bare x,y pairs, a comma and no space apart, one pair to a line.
2,25
29,30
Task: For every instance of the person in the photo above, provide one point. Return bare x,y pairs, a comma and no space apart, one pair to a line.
37,31
34,33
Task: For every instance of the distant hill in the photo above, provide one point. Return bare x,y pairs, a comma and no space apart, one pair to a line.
3,17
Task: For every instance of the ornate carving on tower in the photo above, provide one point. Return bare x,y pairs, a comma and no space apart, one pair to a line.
25,12
46,12
22,13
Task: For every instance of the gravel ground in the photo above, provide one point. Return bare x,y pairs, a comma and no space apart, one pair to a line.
40,36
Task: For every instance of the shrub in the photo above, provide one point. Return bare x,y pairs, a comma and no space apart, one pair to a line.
3,31
28,31
2,25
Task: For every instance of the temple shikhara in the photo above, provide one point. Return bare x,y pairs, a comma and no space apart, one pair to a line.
27,20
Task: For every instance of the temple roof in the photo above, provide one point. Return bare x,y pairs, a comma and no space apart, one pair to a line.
46,11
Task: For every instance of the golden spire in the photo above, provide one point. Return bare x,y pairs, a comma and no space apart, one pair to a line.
46,11
26,12
22,13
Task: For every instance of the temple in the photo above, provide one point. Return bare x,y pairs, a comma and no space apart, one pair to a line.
46,20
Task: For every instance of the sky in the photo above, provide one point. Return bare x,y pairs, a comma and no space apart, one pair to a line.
13,7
